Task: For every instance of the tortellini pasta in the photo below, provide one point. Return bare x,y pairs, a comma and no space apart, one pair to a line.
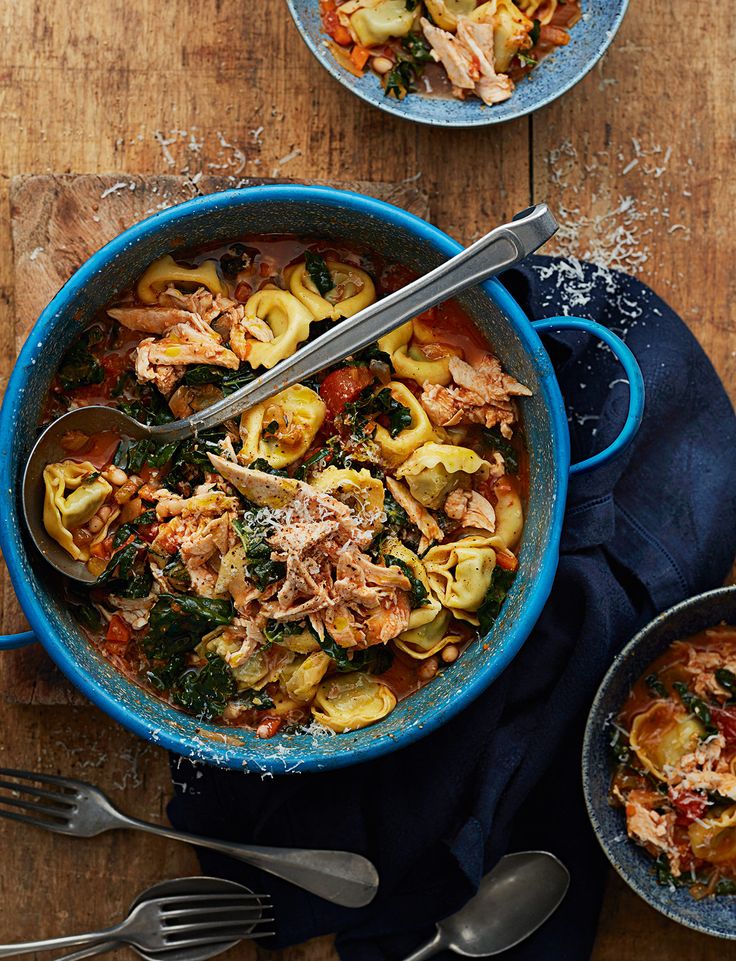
509,513
347,702
662,734
445,12
428,639
511,30
288,319
394,450
392,547
357,488
166,271
302,678
70,501
376,21
460,574
542,10
281,429
409,361
714,839
434,470
353,291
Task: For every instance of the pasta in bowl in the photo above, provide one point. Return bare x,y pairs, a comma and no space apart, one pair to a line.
209,223
328,553
458,62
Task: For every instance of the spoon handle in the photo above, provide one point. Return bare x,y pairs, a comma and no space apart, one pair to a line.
496,251
428,950
341,877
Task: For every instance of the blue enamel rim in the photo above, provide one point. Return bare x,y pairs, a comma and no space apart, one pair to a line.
437,112
42,626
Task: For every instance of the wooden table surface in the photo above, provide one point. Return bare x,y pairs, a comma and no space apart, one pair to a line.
637,160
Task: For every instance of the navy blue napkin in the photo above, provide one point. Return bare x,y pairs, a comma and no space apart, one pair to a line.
647,530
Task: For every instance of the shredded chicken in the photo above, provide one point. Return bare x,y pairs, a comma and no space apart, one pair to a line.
417,513
470,509
479,395
468,58
653,830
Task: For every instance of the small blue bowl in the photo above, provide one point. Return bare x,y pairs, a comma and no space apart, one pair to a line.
589,40
715,915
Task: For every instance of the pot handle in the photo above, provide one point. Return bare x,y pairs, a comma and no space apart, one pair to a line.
633,372
11,641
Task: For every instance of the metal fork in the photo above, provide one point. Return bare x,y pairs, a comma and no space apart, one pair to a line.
67,806
165,924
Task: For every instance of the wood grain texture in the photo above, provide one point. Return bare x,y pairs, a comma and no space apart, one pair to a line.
212,88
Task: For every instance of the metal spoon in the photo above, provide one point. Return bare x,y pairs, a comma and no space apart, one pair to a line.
496,251
513,900
196,885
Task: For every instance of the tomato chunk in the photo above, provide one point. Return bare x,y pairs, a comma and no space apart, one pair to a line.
342,386
689,805
118,632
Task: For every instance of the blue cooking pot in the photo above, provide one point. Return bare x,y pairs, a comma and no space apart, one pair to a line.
311,211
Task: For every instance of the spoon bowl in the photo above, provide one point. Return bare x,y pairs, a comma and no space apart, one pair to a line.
513,901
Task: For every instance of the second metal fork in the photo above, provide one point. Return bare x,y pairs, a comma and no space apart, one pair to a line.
67,806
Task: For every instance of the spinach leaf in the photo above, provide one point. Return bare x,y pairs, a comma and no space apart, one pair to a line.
376,659
253,530
205,692
656,686
257,700
368,405
87,615
535,31
276,632
237,258
133,457
227,380
319,272
410,4
696,707
364,357
79,367
125,530
332,454
396,516
166,675
400,80
179,621
495,441
501,581
127,573
727,679
177,574
261,464
418,594
417,47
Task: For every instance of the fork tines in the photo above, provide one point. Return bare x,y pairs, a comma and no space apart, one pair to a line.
211,918
50,806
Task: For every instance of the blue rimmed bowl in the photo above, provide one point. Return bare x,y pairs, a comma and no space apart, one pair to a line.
589,40
313,211
714,915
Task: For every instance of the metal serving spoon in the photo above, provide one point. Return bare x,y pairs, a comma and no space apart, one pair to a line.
501,248
513,900
165,889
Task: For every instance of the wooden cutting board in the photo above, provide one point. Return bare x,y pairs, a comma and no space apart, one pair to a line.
58,221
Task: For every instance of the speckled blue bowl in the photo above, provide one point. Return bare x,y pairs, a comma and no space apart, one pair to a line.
715,915
311,211
589,40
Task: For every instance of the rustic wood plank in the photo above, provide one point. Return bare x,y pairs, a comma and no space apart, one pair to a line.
202,88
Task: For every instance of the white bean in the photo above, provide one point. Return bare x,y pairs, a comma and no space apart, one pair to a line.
104,512
450,653
116,476
381,64
95,525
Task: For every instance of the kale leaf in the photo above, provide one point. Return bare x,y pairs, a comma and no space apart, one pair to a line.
253,530
501,581
400,80
418,594
205,692
227,380
369,405
376,659
179,621
417,47
177,574
261,464
127,573
80,367
87,615
697,707
727,679
364,357
535,31
276,632
656,686
319,272
495,441
257,700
